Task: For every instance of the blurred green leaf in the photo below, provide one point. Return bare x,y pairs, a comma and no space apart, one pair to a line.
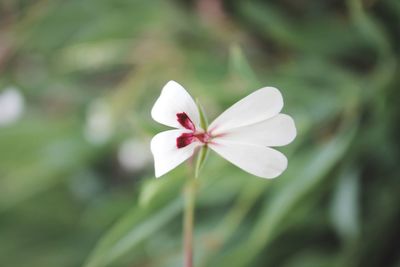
137,224
240,68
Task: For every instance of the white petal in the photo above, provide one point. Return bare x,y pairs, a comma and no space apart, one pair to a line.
258,106
261,161
165,152
173,100
279,130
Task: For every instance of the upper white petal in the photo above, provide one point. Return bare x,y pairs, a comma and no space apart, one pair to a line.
174,99
258,106
279,130
261,161
165,152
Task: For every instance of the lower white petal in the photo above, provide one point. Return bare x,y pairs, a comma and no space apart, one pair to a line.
279,130
261,161
165,152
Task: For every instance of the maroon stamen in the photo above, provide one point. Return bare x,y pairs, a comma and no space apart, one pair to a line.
188,138
184,140
185,121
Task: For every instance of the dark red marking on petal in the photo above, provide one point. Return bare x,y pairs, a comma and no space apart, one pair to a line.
188,138
184,140
185,121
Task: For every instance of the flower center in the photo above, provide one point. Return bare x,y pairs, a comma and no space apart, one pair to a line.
188,138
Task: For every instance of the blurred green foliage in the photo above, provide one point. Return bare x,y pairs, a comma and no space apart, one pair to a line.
90,71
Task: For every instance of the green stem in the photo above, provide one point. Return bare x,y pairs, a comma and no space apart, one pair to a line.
188,221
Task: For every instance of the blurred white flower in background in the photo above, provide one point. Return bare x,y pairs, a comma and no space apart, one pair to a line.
134,155
99,123
11,106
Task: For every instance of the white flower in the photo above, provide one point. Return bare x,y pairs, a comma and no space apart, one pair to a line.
243,134
11,106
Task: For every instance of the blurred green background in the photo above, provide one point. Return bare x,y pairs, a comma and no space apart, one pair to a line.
78,79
